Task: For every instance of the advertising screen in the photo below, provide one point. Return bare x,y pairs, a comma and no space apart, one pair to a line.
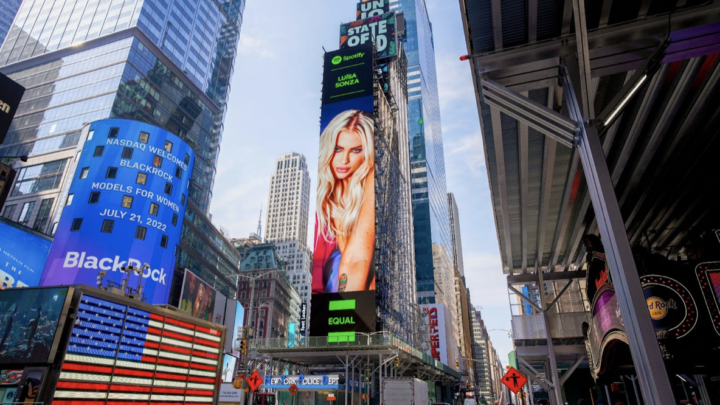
10,95
372,8
229,368
379,30
436,320
343,260
200,300
28,323
238,331
119,352
23,254
671,306
125,207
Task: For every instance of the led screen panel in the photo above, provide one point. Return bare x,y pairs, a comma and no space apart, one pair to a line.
372,8
238,331
200,300
379,30
125,206
120,352
229,368
343,260
23,254
10,95
29,319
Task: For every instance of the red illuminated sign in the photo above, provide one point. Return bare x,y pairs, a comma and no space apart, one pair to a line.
434,334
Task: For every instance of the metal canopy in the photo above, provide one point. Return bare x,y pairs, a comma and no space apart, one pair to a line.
660,151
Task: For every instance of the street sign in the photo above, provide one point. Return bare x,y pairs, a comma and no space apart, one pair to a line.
254,380
294,389
514,380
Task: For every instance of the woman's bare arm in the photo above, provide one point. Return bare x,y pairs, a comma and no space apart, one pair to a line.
357,256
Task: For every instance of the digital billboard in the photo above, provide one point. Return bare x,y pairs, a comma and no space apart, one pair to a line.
23,254
10,95
200,300
237,333
343,284
436,318
29,321
671,305
372,8
122,350
379,30
125,206
229,368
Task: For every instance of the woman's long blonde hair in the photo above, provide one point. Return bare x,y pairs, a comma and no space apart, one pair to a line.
329,201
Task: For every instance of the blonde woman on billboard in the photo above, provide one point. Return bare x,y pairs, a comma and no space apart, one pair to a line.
345,229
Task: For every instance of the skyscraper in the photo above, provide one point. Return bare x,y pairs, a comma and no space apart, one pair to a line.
8,9
287,220
457,253
164,62
433,241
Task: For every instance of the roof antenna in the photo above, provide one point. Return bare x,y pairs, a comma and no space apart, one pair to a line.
259,228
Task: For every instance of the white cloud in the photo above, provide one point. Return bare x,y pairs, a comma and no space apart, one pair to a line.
255,47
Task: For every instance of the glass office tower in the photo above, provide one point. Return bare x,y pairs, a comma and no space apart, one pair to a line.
8,9
433,242
164,62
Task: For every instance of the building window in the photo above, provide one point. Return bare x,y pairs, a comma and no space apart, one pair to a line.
141,178
90,135
43,177
113,132
127,153
98,151
168,188
26,212
174,219
107,226
144,137
8,211
182,200
154,208
70,199
127,201
43,215
178,172
111,173
168,146
140,233
76,224
163,242
84,172
157,161
94,197
187,159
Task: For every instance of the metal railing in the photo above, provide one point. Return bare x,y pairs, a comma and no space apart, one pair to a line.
361,340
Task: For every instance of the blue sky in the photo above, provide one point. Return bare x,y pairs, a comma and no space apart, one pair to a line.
274,108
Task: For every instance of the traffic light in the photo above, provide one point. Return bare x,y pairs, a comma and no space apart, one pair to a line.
397,362
243,347
367,375
457,364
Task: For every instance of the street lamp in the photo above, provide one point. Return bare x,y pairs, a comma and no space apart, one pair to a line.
22,158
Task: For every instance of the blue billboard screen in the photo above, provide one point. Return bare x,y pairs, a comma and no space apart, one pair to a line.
125,207
22,255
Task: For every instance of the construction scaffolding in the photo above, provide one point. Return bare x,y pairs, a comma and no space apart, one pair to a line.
397,310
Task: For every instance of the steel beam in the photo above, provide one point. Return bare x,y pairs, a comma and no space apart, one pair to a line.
583,57
554,376
626,36
550,146
502,181
571,370
537,116
524,298
523,163
654,381
497,24
555,276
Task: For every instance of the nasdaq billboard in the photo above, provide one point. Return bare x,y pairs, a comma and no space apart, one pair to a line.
343,285
23,253
125,206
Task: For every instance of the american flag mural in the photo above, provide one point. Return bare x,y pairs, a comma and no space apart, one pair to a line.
120,355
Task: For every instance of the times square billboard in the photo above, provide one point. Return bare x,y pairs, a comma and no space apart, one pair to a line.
125,206
343,299
372,8
380,30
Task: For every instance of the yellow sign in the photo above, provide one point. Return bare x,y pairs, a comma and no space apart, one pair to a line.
658,307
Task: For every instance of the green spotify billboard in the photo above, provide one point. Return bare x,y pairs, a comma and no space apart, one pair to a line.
343,300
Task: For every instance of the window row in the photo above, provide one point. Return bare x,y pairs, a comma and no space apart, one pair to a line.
127,202
41,220
108,225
